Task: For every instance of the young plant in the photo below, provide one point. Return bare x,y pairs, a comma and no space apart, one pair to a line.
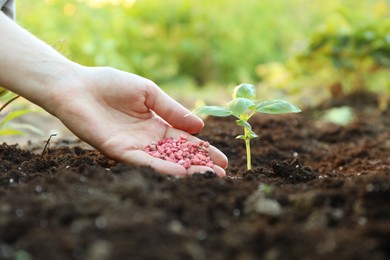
11,128
243,106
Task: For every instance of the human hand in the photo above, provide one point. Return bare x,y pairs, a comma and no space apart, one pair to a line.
120,113
116,112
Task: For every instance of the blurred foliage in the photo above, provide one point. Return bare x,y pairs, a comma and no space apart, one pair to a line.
181,44
339,115
349,52
170,40
8,124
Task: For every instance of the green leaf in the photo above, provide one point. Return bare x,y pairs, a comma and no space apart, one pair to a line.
244,124
13,115
339,115
239,106
276,107
248,127
253,135
213,111
7,131
244,90
22,126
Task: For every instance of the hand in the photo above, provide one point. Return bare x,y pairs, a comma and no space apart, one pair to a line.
119,113
116,112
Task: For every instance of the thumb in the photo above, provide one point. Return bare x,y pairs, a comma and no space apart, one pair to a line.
171,111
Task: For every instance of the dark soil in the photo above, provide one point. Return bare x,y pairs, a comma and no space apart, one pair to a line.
316,191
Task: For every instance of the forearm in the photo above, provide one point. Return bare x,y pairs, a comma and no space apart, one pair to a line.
29,67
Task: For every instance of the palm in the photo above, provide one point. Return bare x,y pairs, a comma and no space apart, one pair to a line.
117,119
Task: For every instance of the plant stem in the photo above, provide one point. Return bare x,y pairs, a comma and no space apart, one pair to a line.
248,149
47,144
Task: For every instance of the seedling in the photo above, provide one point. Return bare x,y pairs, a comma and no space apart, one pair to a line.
243,106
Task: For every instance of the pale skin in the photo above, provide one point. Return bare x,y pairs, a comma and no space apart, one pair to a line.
116,112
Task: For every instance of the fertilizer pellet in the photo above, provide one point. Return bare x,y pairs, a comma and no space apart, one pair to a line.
181,151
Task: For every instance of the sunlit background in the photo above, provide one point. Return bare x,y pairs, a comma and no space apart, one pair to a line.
300,50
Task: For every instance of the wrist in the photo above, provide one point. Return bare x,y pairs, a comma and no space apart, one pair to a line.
61,87
35,70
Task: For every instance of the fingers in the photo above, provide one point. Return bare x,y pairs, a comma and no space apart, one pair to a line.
140,158
218,157
203,169
171,111
219,171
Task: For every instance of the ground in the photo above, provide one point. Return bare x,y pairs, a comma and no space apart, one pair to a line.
317,191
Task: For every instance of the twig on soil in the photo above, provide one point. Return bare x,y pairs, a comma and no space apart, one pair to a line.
47,144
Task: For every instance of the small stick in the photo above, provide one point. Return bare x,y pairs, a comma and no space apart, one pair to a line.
47,144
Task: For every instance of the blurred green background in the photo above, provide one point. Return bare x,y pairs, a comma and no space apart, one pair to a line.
300,50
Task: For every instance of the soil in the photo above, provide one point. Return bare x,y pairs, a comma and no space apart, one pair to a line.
317,191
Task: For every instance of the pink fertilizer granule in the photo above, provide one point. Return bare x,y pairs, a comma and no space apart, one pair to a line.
181,151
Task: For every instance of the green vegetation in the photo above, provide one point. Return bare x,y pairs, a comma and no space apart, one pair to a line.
202,43
7,124
349,53
243,106
192,41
